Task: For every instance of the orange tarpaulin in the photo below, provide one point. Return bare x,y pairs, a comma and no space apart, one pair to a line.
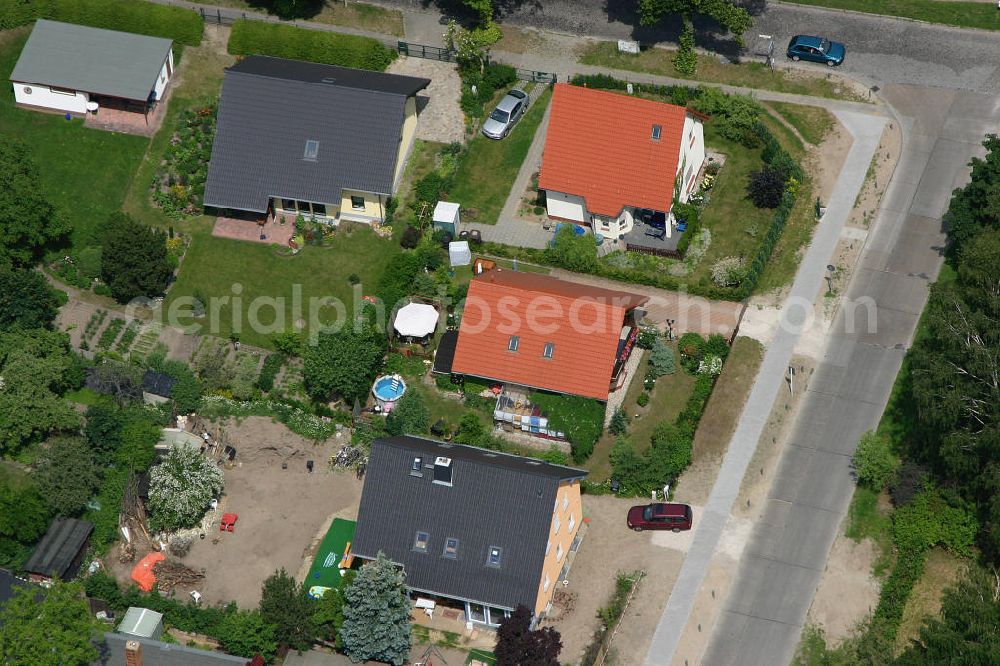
143,572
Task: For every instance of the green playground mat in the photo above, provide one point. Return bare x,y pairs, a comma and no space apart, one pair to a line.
325,571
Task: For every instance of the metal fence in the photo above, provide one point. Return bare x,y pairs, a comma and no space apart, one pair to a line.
536,76
424,51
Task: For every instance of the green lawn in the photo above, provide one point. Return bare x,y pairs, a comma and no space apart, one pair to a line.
963,14
325,571
487,172
665,402
737,226
213,266
726,403
85,396
754,75
866,520
85,172
812,122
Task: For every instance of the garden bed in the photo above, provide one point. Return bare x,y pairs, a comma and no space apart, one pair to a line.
179,185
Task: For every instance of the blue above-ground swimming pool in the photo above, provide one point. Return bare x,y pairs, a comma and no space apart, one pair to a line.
387,390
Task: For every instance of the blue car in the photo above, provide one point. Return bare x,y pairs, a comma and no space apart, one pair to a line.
816,49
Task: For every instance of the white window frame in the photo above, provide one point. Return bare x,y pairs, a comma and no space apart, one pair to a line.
559,552
555,525
548,547
355,206
565,501
546,584
571,524
417,541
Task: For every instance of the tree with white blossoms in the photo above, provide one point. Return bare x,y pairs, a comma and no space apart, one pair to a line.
377,614
181,487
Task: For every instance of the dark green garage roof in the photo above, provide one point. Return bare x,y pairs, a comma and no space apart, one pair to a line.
93,60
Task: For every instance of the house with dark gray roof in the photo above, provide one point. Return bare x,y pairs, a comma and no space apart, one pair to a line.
297,138
474,530
124,650
60,552
76,69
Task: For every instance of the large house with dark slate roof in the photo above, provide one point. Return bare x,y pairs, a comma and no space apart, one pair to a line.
473,529
299,138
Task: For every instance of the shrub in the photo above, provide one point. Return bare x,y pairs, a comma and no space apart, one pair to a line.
643,399
581,419
874,462
690,347
729,271
411,237
647,336
573,252
686,60
288,342
285,41
184,26
619,422
735,116
268,372
766,186
661,360
910,479
716,345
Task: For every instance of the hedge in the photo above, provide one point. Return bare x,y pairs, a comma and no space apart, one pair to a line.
582,419
328,48
184,26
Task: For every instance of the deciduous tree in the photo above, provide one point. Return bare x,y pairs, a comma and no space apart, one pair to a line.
33,369
724,12
329,614
26,300
24,516
874,462
518,645
54,631
343,363
67,475
409,416
29,224
181,487
377,614
103,430
247,634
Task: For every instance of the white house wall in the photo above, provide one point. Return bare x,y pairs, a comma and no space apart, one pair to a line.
692,156
566,206
164,76
44,97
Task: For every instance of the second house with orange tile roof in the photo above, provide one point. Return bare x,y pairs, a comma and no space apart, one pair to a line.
612,161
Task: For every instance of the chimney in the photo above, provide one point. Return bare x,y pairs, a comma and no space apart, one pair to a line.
442,470
133,653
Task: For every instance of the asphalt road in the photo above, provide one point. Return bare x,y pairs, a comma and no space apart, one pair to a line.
782,565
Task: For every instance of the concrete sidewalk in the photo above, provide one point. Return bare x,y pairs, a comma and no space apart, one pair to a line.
866,130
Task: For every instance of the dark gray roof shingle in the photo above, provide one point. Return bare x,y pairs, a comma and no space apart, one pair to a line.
94,60
495,500
55,553
265,121
157,653
158,383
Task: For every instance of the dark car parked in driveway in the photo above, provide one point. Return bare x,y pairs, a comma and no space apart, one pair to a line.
816,49
674,517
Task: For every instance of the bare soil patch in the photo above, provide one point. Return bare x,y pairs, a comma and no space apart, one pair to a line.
941,570
847,591
609,547
283,513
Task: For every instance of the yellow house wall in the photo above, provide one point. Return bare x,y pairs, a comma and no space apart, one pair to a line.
406,138
567,515
374,206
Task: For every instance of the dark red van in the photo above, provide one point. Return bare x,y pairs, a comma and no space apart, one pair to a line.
674,517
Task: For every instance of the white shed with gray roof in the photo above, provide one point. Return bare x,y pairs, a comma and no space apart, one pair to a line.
73,68
142,622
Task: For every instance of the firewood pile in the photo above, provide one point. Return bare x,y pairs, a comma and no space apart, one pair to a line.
172,574
133,516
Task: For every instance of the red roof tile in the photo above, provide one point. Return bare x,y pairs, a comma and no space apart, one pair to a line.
583,322
599,146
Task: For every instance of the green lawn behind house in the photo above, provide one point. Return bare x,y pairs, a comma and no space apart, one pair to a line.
325,571
213,267
488,169
963,14
754,75
85,172
812,122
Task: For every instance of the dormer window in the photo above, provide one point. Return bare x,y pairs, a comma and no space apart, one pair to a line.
494,557
312,150
450,548
421,541
416,467
657,131
512,343
549,350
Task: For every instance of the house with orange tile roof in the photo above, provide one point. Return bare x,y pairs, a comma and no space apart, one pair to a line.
539,332
616,162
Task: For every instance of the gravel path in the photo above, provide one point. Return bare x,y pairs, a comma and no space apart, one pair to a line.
441,119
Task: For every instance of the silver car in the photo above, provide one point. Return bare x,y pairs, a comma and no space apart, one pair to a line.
508,112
